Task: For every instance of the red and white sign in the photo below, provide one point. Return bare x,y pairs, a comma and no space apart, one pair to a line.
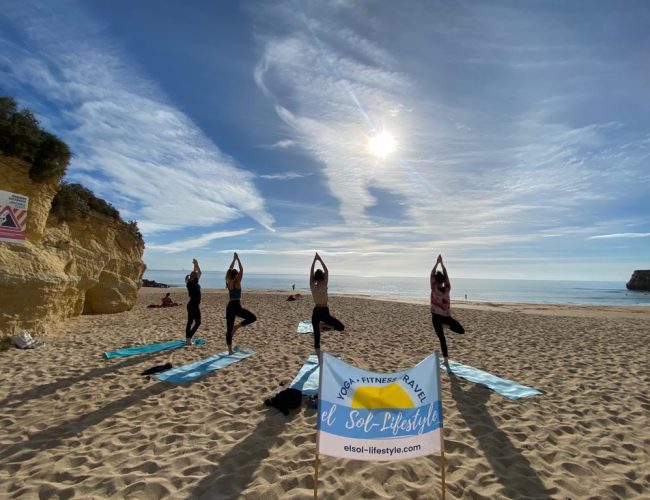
13,217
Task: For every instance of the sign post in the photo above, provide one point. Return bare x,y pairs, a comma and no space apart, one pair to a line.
13,217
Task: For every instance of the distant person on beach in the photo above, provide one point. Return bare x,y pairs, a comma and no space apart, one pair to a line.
440,307
193,306
166,301
234,308
318,280
293,287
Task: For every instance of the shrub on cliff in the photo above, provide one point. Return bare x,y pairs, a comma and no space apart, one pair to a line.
74,202
52,158
22,137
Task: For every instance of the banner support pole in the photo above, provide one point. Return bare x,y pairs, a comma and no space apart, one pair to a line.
316,477
320,385
442,434
442,473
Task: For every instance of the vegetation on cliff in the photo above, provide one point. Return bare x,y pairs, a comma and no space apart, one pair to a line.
22,137
74,202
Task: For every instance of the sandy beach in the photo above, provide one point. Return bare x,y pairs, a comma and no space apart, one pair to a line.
75,425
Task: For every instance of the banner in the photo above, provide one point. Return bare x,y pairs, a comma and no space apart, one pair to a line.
13,217
364,415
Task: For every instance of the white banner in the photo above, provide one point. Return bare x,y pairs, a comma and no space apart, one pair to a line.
365,415
13,217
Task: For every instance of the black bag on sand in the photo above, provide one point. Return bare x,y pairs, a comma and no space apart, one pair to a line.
157,369
285,400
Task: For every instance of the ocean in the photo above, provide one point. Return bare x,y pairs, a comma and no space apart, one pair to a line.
480,290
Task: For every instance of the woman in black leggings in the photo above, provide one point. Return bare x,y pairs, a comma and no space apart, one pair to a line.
193,306
321,313
234,308
441,307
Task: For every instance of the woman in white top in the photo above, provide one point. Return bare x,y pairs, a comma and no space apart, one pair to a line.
440,307
318,283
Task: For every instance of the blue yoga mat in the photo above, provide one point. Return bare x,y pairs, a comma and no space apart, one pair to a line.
200,368
507,388
305,326
307,378
149,348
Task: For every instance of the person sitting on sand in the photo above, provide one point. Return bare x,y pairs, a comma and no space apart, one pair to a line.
440,307
166,301
193,306
318,280
234,308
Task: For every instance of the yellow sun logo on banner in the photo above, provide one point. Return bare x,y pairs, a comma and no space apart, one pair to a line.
375,398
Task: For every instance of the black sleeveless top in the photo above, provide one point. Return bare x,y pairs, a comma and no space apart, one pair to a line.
194,289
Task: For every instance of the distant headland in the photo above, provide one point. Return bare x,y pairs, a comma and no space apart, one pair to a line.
640,280
153,284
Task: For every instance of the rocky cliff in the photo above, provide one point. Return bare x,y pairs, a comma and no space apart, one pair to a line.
89,264
640,280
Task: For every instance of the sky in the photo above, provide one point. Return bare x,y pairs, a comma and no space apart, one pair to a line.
511,137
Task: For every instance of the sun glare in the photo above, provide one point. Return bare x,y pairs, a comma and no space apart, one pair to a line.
382,144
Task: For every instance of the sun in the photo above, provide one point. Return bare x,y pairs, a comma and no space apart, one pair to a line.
382,144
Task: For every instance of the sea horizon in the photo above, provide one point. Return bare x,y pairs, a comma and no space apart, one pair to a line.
579,292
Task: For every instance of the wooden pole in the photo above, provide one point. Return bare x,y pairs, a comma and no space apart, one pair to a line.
320,385
442,472
442,434
316,477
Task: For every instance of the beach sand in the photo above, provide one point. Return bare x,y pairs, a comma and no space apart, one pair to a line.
74,425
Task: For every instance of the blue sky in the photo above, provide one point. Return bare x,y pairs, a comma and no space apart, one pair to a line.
521,129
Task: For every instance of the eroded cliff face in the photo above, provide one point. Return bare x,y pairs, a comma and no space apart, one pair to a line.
640,280
93,265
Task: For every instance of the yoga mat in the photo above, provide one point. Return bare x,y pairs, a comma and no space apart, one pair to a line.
507,388
307,378
200,368
305,326
146,349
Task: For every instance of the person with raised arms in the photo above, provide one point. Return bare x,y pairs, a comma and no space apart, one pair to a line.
318,280
234,308
441,307
193,306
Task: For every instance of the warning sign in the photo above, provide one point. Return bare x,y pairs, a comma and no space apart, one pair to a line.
13,217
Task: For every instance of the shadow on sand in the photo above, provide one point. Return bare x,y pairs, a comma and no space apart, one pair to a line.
231,478
53,436
46,389
512,469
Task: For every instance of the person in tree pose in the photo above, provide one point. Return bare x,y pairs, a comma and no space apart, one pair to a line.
193,306
318,280
440,307
234,308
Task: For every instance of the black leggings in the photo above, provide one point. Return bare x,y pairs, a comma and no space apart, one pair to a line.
233,310
454,326
323,314
193,316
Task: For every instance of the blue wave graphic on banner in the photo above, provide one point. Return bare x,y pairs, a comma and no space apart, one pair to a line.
361,423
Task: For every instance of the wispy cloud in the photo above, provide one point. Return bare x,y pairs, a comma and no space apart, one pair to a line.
196,243
284,176
619,235
284,144
128,139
